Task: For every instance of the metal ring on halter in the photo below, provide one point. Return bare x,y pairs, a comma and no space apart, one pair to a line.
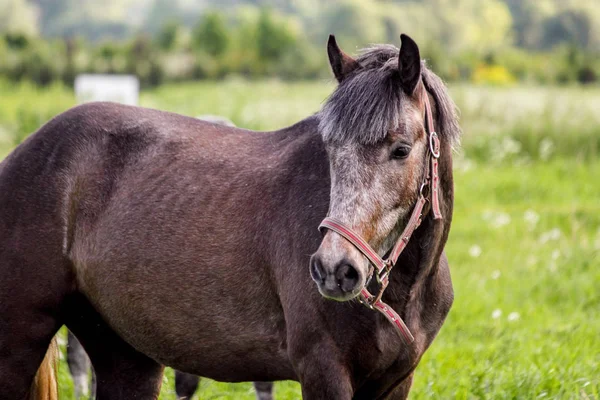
432,146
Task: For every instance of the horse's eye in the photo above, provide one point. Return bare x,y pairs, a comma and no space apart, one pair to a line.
401,151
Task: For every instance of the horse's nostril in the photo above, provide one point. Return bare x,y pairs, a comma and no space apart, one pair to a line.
316,270
347,277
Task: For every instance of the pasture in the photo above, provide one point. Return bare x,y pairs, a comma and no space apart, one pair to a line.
524,248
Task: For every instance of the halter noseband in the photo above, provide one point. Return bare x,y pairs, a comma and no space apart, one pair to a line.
383,266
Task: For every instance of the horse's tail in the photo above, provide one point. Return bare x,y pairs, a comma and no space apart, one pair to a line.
45,383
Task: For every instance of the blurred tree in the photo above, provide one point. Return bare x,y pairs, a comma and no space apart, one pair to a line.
287,37
474,25
143,61
587,75
575,23
354,22
70,72
17,41
528,20
272,37
211,34
168,35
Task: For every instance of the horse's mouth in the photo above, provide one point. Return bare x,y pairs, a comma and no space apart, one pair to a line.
337,293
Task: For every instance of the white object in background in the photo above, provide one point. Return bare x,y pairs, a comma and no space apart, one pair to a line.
123,89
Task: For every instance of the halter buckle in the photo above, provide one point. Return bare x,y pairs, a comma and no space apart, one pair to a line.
383,284
383,274
366,299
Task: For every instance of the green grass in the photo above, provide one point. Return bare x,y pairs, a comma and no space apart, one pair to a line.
525,258
524,247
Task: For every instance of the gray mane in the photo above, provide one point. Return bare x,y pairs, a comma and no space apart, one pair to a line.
367,105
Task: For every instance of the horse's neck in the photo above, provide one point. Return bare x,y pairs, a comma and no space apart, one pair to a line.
301,182
403,279
303,129
420,288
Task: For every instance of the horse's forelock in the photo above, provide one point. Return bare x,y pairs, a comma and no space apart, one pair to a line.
367,105
364,107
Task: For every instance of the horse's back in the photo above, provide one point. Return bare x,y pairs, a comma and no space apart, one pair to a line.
75,161
63,177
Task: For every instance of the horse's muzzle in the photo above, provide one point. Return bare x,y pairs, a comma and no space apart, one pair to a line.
338,280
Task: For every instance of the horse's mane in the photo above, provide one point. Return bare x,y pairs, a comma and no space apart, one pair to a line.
367,105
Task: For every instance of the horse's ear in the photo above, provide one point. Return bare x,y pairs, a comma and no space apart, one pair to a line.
409,64
341,63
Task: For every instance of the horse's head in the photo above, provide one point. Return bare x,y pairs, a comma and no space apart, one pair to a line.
373,126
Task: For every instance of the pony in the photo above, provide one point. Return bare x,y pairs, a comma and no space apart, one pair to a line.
159,239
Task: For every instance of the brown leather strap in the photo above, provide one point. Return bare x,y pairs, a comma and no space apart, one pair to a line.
396,321
355,239
413,224
434,150
428,115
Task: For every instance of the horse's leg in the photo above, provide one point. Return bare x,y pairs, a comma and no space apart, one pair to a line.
401,391
79,365
122,372
185,385
31,291
23,346
264,390
322,375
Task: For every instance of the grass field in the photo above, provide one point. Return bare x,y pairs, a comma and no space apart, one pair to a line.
524,247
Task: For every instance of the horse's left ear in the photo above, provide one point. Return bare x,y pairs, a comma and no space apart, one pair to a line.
409,64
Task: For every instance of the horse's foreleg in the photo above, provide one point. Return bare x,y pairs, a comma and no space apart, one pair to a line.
122,372
264,390
322,376
401,391
185,385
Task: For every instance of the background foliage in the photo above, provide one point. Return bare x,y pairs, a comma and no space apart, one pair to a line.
525,242
491,41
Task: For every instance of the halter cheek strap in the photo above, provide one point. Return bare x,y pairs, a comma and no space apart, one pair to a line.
381,268
434,155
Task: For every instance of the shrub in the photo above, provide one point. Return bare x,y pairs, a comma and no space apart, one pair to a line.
211,35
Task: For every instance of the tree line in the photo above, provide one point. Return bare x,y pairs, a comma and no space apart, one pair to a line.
490,41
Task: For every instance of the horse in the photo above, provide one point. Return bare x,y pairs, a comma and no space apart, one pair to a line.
159,239
185,384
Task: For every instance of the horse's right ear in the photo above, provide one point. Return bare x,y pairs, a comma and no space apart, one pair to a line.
341,63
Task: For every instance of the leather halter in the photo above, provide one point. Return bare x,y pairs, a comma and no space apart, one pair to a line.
383,267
